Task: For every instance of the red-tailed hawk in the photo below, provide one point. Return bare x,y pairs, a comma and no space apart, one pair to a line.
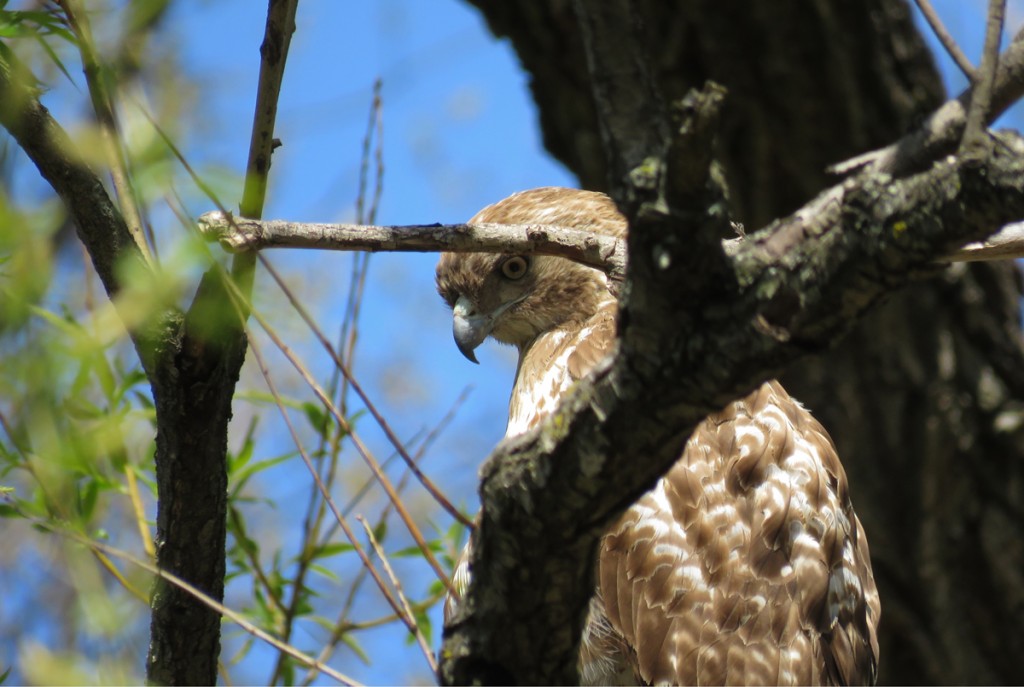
746,563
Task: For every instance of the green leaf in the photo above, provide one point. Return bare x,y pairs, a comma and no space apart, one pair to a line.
415,551
319,419
87,495
423,621
143,400
80,409
353,644
288,671
53,55
333,549
436,588
129,380
380,531
243,475
325,572
5,674
248,446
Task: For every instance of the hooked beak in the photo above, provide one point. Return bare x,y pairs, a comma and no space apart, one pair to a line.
470,327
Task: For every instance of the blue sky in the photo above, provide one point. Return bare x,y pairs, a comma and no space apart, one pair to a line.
460,132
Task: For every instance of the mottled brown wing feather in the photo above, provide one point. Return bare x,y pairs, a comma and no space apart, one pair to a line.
746,564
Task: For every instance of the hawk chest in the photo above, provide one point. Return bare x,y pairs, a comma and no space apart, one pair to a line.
541,379
553,362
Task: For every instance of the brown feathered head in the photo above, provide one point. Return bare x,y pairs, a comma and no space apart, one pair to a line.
515,298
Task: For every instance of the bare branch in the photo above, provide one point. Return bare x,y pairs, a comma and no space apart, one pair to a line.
601,252
106,116
324,493
1005,244
246,234
424,481
191,478
407,614
274,54
942,131
975,141
932,17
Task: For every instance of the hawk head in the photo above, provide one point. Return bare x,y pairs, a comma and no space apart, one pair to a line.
515,298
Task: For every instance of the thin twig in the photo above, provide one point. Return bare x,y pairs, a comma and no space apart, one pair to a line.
932,17
942,131
361,262
353,590
343,628
242,301
106,116
257,568
410,618
341,625
98,547
361,448
377,416
431,436
349,534
316,509
975,138
274,52
1005,244
139,511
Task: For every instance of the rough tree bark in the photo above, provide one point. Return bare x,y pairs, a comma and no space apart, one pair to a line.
924,399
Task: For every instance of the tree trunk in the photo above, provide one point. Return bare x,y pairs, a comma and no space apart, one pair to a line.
924,398
193,384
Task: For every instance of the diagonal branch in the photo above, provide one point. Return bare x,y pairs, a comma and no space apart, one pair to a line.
941,132
974,140
110,130
801,284
99,224
947,41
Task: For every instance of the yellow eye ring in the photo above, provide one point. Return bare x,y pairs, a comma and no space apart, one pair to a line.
515,267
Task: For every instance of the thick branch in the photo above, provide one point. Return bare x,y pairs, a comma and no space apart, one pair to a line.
801,284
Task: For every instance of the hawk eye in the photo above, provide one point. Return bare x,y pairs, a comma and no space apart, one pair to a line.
515,267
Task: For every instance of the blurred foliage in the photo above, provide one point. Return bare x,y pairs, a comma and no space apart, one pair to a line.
77,418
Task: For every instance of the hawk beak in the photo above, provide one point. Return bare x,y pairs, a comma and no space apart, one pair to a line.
469,327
